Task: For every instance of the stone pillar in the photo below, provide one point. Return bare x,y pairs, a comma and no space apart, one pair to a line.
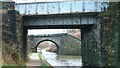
117,28
118,18
0,34
83,47
109,40
24,47
59,45
89,46
11,32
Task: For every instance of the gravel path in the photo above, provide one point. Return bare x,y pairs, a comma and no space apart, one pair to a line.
34,61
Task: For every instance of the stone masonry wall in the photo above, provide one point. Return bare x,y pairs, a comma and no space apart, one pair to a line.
70,45
110,34
1,34
109,42
118,21
100,42
11,33
90,48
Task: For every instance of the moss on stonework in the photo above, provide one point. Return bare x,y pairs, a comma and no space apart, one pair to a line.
11,35
90,47
110,35
11,56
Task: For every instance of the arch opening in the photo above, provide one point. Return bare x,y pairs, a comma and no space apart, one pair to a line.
47,45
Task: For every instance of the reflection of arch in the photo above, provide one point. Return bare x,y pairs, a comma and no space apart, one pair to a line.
50,41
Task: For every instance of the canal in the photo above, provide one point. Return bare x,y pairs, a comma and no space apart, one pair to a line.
62,60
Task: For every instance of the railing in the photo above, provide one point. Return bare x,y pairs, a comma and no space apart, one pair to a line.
62,7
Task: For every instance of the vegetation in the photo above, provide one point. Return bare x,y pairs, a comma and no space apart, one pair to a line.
110,34
61,57
11,57
71,46
100,43
44,63
11,37
30,47
30,54
111,21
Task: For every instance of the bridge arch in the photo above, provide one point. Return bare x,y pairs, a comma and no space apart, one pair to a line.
50,41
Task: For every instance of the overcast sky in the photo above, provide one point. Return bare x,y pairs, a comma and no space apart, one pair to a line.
45,31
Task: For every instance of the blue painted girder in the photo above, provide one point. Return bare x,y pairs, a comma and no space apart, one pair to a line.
63,7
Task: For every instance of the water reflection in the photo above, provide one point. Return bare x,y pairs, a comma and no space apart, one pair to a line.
62,60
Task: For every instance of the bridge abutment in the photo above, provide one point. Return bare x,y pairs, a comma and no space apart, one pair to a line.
89,46
118,33
24,47
100,43
1,61
11,25
110,40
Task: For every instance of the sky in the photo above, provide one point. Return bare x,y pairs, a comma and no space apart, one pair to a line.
46,31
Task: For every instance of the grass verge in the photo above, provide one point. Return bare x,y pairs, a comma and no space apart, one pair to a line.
44,63
12,66
30,54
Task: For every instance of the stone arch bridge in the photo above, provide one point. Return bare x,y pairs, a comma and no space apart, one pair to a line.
57,39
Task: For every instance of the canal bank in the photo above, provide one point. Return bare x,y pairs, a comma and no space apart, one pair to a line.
62,60
37,60
46,59
33,61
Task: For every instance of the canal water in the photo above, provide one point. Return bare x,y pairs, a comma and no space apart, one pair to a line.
62,60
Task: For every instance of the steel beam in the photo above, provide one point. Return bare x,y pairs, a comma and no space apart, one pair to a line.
59,20
62,7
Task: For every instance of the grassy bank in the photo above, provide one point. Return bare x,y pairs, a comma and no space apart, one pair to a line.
11,57
29,54
44,63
